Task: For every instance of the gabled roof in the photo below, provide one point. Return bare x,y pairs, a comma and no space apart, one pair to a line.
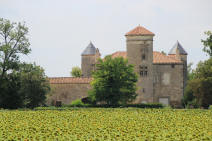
69,80
158,58
89,50
176,47
139,30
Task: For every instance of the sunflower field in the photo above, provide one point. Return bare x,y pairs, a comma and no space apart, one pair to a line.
98,124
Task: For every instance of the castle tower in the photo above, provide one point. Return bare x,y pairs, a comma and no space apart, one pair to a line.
89,58
181,54
140,53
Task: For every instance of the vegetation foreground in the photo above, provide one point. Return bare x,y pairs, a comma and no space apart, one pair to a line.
106,124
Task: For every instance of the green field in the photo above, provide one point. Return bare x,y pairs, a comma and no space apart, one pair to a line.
106,124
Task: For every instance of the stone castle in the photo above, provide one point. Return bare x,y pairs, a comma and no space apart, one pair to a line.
162,78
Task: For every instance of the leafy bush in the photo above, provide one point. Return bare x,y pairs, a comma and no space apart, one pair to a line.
51,108
78,103
192,104
143,105
210,107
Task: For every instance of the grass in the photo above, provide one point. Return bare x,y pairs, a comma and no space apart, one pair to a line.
106,124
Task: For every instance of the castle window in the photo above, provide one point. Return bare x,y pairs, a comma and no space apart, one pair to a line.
173,66
143,57
143,71
143,90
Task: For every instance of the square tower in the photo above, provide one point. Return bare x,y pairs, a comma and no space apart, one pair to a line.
140,53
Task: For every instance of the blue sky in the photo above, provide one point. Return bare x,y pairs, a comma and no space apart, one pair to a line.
59,30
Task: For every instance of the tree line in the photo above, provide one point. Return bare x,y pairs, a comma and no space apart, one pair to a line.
198,92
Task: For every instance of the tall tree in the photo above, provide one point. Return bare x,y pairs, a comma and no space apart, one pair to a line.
34,85
76,72
13,42
199,86
114,81
21,84
208,43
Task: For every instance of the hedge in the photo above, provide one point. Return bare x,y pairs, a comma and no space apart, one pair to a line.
67,107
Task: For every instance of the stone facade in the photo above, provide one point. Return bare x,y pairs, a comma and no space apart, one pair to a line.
67,92
68,89
168,83
162,78
140,53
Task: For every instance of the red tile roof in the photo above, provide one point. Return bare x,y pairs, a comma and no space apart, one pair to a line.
69,80
139,30
119,54
158,58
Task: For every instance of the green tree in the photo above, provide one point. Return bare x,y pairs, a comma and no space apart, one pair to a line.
26,87
208,43
34,85
21,84
10,98
190,72
188,97
114,81
13,42
76,72
201,85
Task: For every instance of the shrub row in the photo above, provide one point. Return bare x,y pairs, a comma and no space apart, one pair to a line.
66,107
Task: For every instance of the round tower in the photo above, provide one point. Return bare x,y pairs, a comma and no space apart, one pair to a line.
140,53
89,58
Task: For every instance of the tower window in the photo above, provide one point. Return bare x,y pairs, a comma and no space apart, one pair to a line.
143,57
143,90
173,66
143,71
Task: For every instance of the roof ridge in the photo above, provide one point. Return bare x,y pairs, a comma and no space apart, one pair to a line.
139,30
67,77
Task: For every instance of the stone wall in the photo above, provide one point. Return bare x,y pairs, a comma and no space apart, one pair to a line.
67,92
168,83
